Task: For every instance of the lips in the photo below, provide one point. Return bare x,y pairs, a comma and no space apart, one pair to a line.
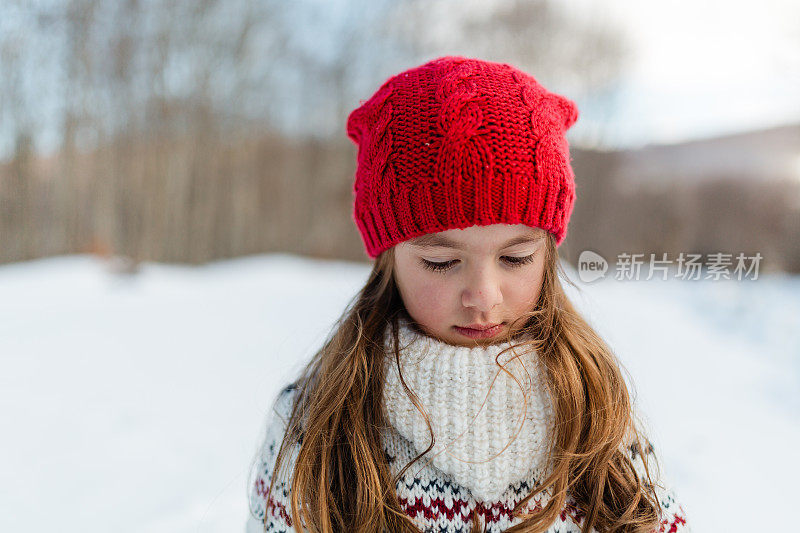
481,327
480,331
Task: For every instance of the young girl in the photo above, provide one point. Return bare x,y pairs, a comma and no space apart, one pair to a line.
461,390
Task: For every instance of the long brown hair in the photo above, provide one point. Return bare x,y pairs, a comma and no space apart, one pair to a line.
341,480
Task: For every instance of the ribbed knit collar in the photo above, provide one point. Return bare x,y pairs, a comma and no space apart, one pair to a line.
452,383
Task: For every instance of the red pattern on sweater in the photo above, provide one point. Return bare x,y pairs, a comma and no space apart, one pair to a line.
274,507
438,507
678,519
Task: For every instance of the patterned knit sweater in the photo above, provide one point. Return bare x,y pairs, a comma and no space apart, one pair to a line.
440,495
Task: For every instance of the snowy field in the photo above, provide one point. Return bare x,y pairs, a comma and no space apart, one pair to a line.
135,404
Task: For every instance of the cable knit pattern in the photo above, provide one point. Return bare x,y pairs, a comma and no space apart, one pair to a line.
551,114
463,149
457,142
490,421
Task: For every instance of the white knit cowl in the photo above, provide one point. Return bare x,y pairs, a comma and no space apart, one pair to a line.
474,441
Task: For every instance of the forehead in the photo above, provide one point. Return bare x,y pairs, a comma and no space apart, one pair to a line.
495,236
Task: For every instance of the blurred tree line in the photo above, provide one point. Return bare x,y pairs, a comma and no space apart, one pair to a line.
193,130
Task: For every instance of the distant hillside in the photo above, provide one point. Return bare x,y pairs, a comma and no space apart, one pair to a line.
764,155
730,194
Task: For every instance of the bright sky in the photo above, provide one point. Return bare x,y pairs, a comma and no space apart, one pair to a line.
704,67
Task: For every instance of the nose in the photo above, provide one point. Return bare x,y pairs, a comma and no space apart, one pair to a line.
482,290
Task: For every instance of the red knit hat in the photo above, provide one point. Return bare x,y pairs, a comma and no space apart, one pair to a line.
458,142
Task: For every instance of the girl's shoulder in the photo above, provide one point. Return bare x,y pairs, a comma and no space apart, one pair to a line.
282,406
645,460
272,512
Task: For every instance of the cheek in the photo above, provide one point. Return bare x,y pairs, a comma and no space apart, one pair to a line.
426,299
430,298
526,289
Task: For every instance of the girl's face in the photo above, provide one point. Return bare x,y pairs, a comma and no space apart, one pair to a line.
480,276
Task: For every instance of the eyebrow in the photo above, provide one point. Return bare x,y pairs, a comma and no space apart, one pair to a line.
432,239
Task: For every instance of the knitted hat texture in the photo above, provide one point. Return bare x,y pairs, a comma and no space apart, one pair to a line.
458,142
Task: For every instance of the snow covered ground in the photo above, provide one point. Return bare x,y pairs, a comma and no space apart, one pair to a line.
134,404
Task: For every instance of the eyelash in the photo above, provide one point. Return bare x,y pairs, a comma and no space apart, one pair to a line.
514,262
